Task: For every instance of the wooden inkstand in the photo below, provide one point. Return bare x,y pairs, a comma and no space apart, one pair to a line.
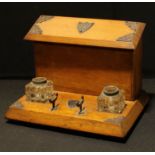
89,75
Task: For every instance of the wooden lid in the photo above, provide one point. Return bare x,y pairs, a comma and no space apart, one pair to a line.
86,31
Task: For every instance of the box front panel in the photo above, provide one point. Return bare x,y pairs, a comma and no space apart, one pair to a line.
83,69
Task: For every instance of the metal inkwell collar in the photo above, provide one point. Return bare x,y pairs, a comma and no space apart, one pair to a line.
39,80
111,90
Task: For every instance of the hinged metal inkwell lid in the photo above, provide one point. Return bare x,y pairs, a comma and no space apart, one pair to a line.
39,80
111,90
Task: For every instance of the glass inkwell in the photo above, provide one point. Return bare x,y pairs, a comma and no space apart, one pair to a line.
39,90
111,99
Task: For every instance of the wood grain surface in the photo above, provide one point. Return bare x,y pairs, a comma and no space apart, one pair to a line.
104,32
103,123
83,69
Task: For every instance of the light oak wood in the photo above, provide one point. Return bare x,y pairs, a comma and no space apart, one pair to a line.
87,70
109,53
92,121
103,33
100,56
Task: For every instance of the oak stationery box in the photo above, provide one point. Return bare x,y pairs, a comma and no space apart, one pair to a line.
81,56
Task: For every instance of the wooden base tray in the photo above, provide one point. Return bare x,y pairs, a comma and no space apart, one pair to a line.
91,121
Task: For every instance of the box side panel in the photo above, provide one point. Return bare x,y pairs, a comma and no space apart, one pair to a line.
82,69
137,70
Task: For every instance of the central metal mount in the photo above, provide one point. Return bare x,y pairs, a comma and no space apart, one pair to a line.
84,26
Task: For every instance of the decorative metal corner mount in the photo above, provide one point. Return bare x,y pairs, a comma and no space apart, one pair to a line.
116,121
84,26
43,18
17,104
131,25
35,29
126,38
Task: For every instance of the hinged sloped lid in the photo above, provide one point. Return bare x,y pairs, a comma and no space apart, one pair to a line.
86,31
